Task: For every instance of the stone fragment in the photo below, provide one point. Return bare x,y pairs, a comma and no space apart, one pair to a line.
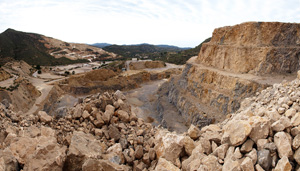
237,154
281,124
48,156
260,143
281,110
114,154
96,165
119,95
205,145
258,168
44,117
247,165
295,131
189,145
221,151
260,127
283,143
296,142
77,112
283,164
264,159
85,114
169,146
270,146
7,161
82,147
290,113
194,132
114,132
124,116
109,112
252,155
164,164
247,146
139,152
152,154
297,155
212,132
296,119
236,131
231,165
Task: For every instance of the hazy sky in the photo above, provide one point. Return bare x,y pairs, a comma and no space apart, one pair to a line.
184,23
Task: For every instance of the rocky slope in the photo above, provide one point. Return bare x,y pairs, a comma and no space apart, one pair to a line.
102,133
36,49
239,61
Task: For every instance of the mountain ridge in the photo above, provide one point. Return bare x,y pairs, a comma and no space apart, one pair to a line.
37,49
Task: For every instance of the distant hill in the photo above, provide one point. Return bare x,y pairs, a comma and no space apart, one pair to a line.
101,45
167,53
36,49
182,56
141,50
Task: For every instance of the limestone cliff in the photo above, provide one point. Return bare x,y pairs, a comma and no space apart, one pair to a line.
239,61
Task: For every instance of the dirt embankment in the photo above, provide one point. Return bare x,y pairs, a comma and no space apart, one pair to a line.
106,80
21,95
146,64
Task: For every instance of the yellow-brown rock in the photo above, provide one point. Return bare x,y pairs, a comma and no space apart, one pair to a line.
239,61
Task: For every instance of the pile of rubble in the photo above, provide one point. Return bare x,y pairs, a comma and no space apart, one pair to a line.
102,133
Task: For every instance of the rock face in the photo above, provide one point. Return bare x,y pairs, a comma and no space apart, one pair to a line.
146,64
239,61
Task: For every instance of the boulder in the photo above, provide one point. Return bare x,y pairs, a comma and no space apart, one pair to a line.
109,112
194,132
236,132
296,119
283,164
48,156
7,161
297,155
247,146
169,146
264,159
189,145
77,112
114,132
96,165
283,143
260,127
247,164
44,117
123,115
82,147
164,164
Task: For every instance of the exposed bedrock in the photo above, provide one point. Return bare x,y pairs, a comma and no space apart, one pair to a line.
238,62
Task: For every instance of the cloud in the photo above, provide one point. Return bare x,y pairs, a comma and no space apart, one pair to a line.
184,23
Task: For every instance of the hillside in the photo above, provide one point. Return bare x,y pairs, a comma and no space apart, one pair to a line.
141,50
182,56
36,49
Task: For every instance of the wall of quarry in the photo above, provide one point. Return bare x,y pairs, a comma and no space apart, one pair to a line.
146,64
21,95
238,62
83,84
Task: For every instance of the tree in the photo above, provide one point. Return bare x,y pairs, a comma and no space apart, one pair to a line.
39,71
73,72
38,67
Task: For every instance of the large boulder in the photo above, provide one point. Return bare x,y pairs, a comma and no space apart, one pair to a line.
83,146
283,142
169,146
236,132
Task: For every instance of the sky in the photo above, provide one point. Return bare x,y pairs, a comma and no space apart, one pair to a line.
184,23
